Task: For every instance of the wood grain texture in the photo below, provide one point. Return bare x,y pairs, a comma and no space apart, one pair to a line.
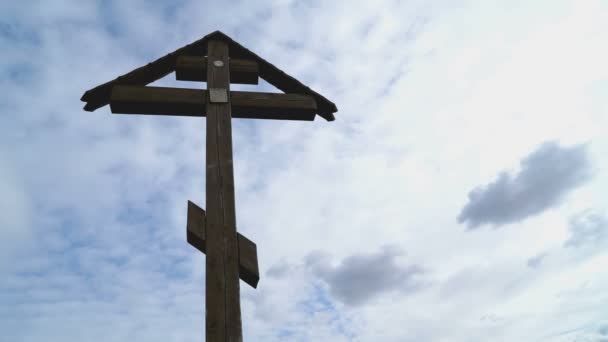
215,293
215,279
157,100
273,106
248,258
219,77
193,102
221,236
195,227
248,261
100,95
194,68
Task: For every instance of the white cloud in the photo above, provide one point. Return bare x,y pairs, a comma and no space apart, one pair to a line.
15,208
588,229
480,84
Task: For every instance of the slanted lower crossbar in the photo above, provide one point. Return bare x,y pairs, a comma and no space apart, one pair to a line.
248,256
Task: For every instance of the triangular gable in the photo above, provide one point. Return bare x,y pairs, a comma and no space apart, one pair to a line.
100,95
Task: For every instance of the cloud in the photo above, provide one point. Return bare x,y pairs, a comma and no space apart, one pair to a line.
361,277
536,261
278,270
15,209
602,332
587,229
592,332
546,176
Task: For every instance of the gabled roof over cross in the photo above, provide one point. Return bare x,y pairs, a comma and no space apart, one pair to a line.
100,96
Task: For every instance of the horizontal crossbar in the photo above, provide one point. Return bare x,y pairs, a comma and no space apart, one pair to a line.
194,68
192,102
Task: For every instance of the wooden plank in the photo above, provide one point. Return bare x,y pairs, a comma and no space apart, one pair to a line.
100,95
219,77
290,85
195,227
248,261
222,241
248,258
194,68
215,280
157,100
192,102
273,106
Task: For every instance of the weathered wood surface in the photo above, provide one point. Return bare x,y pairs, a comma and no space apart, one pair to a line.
248,257
194,68
100,96
195,227
248,261
223,301
215,280
158,100
273,106
193,102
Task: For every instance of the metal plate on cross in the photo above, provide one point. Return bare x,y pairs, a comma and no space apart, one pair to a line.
218,95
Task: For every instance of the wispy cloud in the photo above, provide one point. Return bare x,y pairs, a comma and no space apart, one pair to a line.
588,229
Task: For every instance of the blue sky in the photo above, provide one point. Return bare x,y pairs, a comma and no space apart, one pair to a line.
458,196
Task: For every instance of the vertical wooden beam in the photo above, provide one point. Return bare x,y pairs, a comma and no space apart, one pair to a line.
215,282
223,308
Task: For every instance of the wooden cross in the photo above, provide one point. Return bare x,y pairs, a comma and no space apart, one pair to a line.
219,61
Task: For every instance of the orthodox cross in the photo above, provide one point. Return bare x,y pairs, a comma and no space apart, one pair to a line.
219,61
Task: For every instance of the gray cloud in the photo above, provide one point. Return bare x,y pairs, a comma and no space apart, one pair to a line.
587,229
546,175
361,277
15,208
536,261
278,270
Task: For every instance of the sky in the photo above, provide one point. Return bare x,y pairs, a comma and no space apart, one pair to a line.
458,196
